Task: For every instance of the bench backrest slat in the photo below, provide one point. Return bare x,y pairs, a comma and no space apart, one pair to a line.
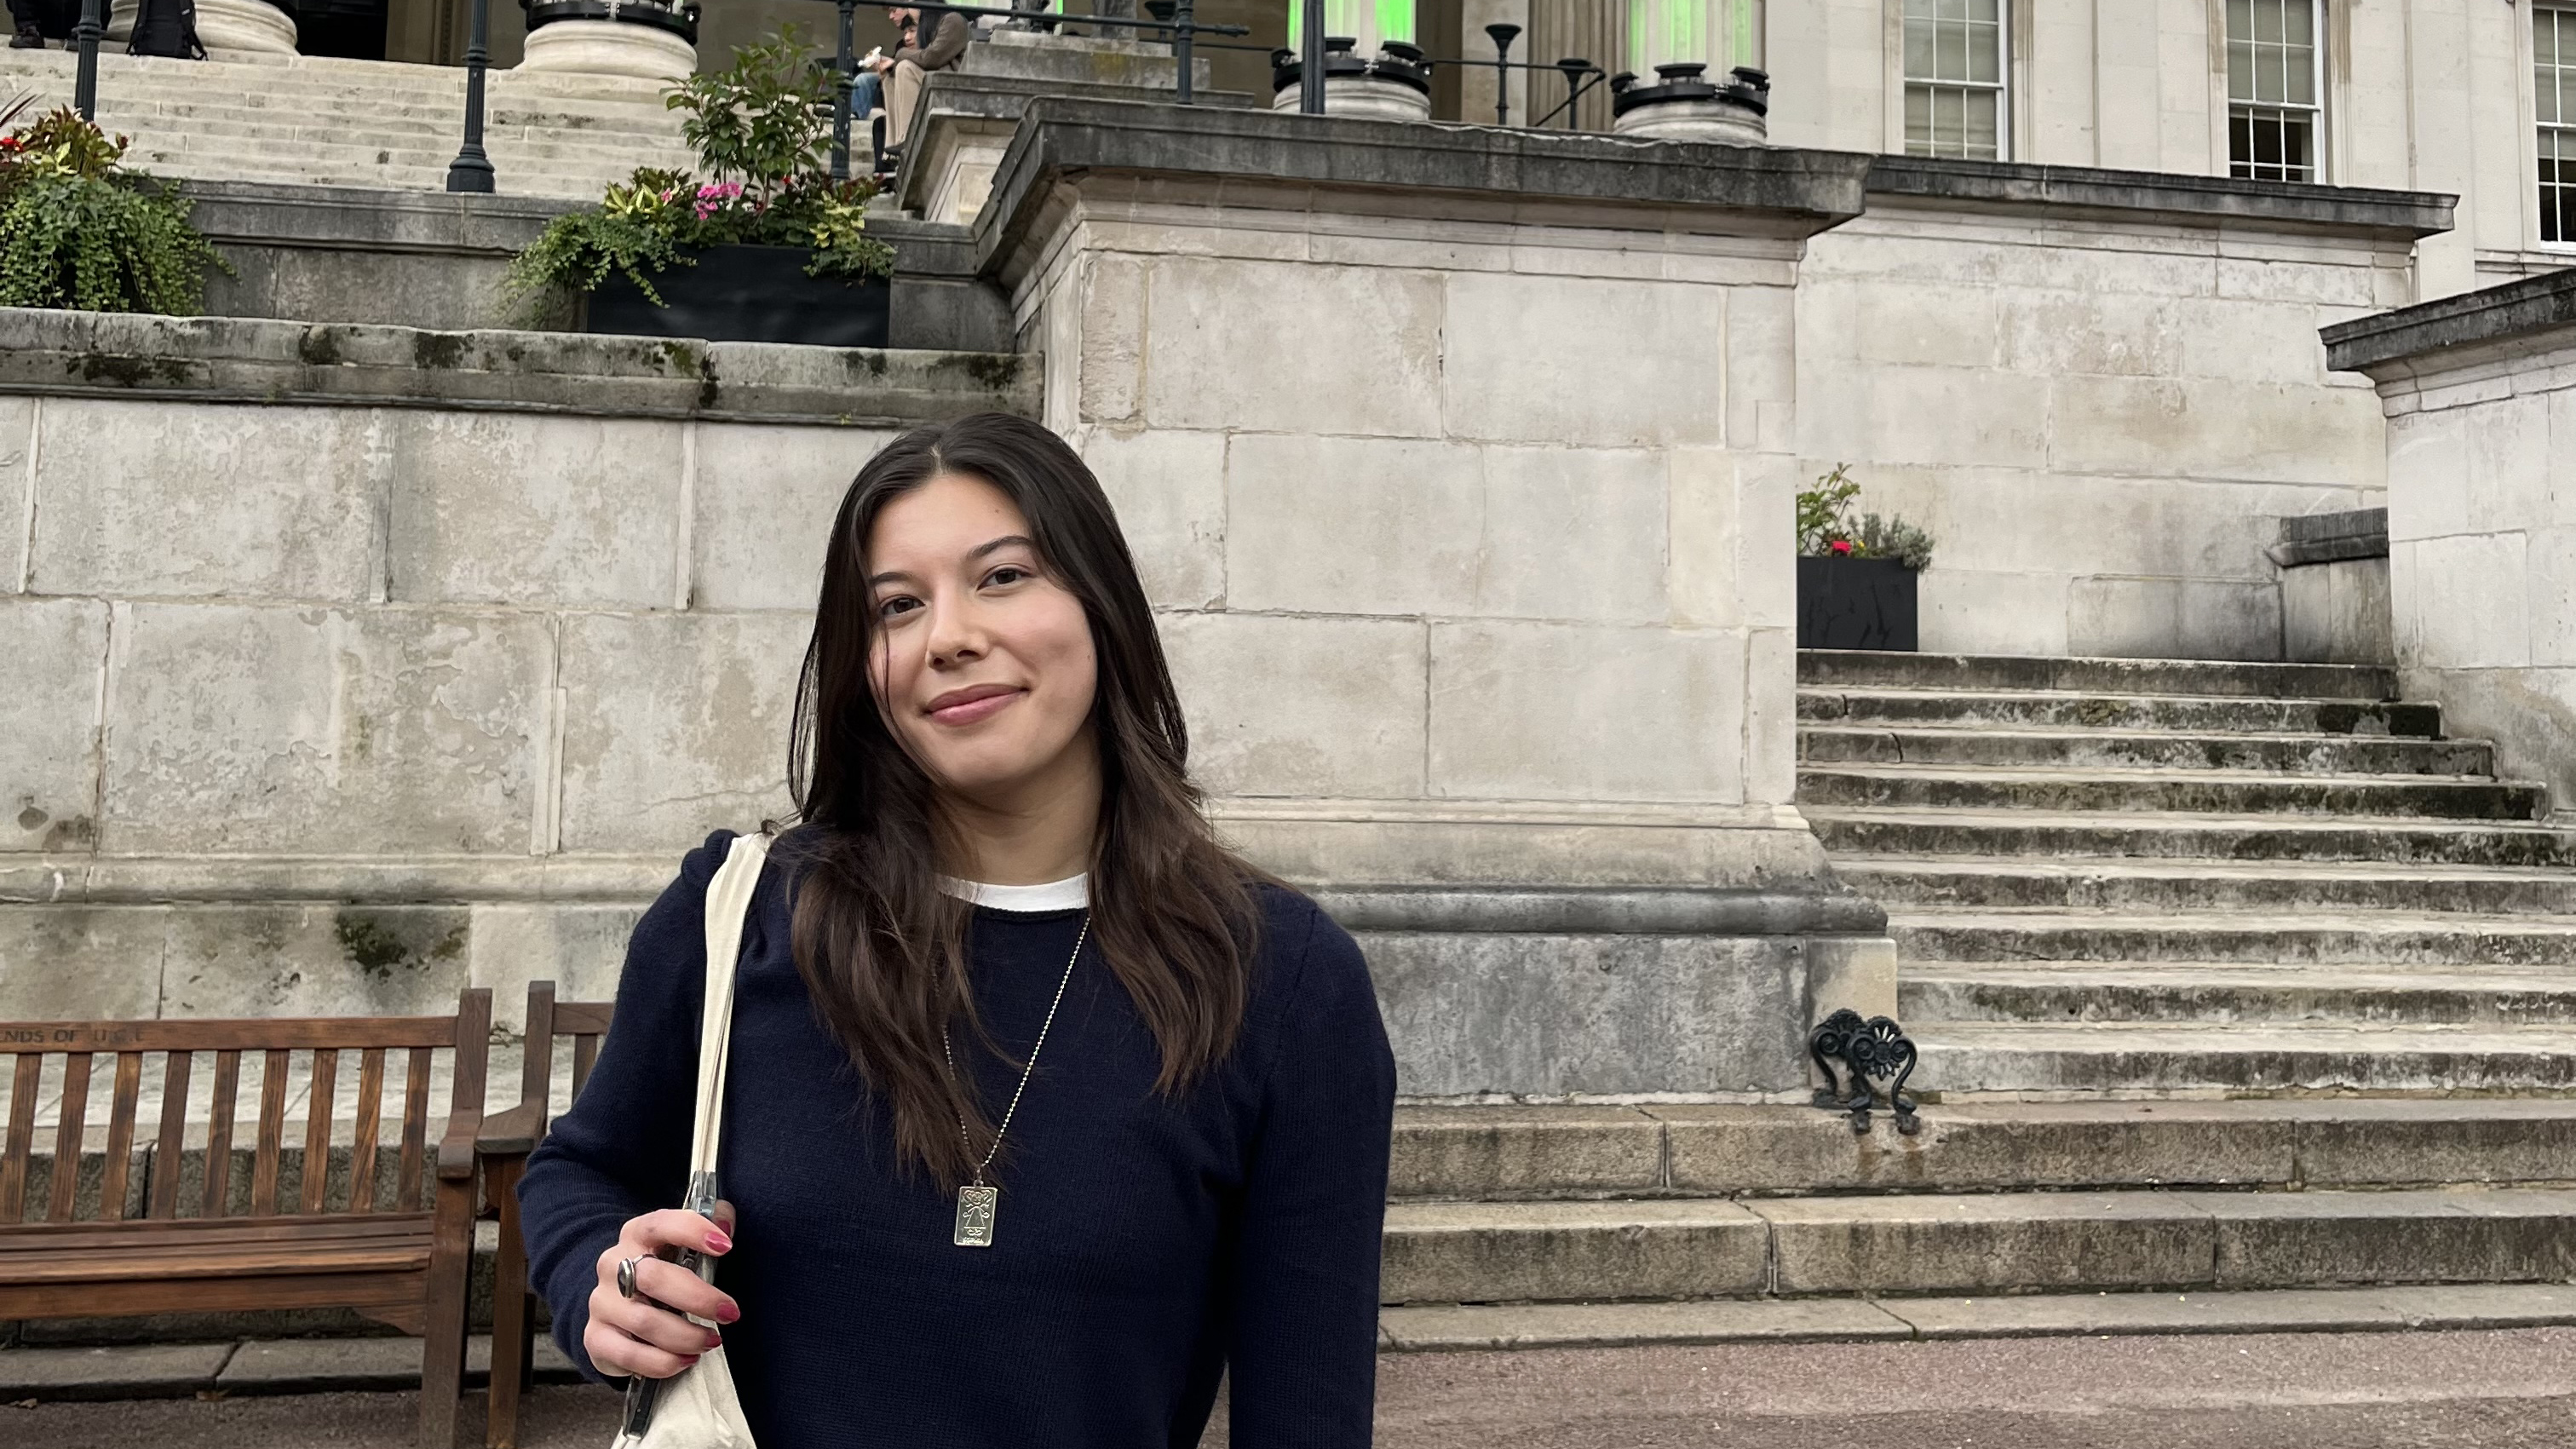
272,1128
219,1135
120,1137
174,1128
415,1129
317,1128
362,1155
67,1136
22,1136
586,1022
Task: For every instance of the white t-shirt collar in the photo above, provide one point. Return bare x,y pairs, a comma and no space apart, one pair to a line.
1069,894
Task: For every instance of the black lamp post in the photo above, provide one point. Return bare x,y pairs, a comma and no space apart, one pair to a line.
1503,36
1183,14
471,170
86,33
1310,71
841,97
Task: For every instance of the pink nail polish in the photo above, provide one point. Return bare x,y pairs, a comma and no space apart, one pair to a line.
718,1243
728,1314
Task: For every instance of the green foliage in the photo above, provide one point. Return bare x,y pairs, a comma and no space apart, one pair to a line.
1825,527
1820,510
761,121
635,231
1894,538
78,231
761,128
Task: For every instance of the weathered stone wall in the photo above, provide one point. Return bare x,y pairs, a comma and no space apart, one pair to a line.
351,665
2480,392
2100,393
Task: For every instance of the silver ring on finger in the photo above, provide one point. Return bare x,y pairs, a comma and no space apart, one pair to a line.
626,1275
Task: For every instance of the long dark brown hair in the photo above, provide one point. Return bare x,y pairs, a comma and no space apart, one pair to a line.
881,947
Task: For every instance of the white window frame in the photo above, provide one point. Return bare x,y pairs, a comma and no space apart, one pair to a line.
2554,140
2000,87
2249,168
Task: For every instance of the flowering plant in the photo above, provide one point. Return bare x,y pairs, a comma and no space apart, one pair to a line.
1826,530
760,128
78,230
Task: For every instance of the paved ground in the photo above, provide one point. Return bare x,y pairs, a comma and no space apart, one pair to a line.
2275,1391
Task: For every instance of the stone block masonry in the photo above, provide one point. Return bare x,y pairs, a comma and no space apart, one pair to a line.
352,664
2480,395
1466,459
2100,391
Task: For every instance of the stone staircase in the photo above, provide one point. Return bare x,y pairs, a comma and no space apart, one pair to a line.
2236,985
2143,878
327,122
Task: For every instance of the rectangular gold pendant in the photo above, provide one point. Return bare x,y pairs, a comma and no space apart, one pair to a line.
975,1207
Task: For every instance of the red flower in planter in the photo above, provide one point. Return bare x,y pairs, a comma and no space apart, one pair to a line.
1840,548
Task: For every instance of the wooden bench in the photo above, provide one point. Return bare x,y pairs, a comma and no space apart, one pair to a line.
507,1139
397,1258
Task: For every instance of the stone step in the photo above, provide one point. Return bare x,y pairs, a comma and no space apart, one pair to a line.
2193,791
1452,1327
162,124
2312,754
2238,993
281,76
1980,1243
1850,833
2171,713
562,156
1972,1057
2207,885
1533,1151
1933,934
1863,668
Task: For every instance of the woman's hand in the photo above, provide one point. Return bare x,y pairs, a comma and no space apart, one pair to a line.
644,1334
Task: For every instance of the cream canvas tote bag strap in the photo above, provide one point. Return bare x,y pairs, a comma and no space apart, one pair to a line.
698,1409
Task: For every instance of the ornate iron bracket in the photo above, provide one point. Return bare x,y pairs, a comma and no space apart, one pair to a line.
1876,1048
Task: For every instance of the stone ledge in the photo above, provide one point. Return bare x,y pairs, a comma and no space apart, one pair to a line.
2491,314
2407,214
2321,538
1601,911
352,218
1776,191
255,360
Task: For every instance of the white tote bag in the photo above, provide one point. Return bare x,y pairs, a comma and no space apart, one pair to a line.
697,1408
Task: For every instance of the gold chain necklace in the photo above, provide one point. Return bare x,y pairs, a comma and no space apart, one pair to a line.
978,1200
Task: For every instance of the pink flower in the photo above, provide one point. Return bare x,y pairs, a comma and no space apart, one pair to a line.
1841,547
711,199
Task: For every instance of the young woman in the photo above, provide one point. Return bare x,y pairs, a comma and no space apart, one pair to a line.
1000,960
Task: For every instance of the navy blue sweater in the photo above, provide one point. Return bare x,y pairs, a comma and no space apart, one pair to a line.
1145,1244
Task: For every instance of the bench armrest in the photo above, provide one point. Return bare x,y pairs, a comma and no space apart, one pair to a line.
456,1149
513,1133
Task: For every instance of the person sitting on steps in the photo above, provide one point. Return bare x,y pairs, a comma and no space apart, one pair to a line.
912,61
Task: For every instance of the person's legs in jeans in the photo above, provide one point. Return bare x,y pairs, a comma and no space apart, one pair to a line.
867,97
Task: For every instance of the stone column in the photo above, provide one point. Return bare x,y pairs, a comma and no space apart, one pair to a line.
1459,463
229,29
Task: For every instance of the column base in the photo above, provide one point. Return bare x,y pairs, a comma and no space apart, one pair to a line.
607,47
1364,95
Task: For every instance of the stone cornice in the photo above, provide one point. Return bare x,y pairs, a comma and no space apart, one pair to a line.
2404,341
1774,191
237,359
2399,214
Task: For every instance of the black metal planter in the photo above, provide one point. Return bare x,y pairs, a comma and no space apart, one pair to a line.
746,294
1855,603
